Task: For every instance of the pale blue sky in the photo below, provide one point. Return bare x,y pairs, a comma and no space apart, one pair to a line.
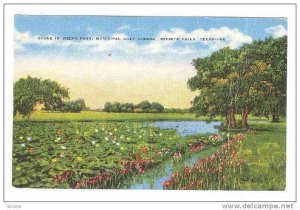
128,71
256,28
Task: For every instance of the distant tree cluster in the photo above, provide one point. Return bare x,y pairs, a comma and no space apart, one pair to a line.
69,106
142,107
251,79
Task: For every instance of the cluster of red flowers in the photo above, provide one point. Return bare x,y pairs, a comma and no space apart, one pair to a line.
197,147
99,181
137,165
144,150
177,155
65,177
218,171
113,180
137,155
106,180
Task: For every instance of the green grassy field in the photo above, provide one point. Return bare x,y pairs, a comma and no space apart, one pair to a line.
104,116
265,153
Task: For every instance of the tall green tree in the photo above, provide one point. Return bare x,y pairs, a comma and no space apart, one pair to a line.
270,82
53,94
275,51
250,79
26,95
30,91
215,80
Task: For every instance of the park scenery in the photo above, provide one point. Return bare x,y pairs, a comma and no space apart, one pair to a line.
164,103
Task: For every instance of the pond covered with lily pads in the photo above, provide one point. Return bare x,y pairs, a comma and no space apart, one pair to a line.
107,155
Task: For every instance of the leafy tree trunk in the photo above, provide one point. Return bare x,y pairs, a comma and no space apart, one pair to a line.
245,113
233,119
230,119
274,117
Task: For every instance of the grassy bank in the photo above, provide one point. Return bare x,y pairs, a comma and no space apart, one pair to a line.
87,116
104,116
254,160
265,153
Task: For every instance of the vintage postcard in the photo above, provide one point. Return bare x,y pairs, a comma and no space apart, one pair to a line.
149,102
108,103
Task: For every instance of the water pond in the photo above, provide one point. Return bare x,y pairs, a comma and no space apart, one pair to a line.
185,128
154,177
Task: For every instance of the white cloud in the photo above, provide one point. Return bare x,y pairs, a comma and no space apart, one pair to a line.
113,45
277,31
92,31
233,38
124,27
18,47
22,38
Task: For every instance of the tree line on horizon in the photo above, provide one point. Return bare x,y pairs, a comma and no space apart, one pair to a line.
30,92
142,107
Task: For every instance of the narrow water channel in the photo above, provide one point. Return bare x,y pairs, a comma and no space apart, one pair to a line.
154,177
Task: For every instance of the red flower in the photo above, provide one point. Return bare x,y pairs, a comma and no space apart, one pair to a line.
68,174
177,155
59,131
242,161
140,171
99,177
198,183
78,185
144,150
208,171
202,162
166,184
57,178
186,170
212,157
123,171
